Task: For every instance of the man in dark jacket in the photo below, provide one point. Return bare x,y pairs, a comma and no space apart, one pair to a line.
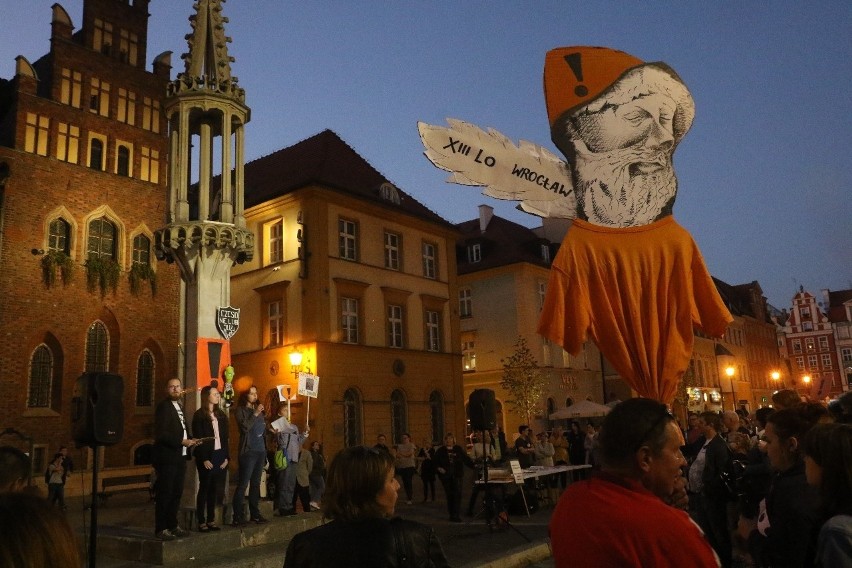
172,441
708,503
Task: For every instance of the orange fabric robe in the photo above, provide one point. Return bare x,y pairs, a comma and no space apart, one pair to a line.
637,292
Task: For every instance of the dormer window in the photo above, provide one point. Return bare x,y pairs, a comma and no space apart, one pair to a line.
389,192
474,253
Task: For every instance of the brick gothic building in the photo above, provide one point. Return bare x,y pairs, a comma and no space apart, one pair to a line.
82,187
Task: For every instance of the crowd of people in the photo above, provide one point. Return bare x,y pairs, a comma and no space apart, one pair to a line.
731,489
747,483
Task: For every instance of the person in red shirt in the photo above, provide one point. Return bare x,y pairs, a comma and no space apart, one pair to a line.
625,515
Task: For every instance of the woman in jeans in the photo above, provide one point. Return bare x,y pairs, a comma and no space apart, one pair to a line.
406,459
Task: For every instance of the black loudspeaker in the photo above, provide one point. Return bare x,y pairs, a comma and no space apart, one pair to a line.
97,411
481,409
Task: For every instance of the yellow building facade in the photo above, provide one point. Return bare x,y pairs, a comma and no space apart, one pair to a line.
357,277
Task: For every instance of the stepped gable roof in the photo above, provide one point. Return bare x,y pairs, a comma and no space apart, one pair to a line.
835,309
503,242
324,159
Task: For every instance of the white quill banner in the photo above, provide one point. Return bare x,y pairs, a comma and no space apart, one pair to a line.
527,173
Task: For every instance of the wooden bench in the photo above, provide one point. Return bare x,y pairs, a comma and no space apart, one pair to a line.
110,485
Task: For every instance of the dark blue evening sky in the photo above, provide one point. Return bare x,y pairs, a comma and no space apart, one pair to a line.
765,173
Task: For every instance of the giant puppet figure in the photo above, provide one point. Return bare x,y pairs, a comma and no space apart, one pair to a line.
627,274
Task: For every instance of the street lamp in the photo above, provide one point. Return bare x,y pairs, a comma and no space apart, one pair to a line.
295,364
776,376
729,370
807,380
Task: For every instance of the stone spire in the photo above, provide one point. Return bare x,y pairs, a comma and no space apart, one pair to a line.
208,65
206,231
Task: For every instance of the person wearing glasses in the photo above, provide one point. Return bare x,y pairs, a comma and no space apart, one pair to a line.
623,515
360,499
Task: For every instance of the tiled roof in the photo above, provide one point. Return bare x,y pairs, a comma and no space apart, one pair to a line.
836,310
503,242
326,160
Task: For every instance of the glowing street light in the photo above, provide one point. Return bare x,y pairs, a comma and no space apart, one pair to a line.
730,370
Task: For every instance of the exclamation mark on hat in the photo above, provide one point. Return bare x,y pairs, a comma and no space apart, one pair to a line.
573,60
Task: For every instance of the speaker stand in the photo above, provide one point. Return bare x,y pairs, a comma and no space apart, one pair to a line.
93,534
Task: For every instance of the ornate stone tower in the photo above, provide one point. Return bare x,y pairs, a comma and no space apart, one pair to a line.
206,232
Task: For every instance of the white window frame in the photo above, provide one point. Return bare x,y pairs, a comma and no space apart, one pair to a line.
392,250
395,329
433,331
349,319
347,239
430,260
465,303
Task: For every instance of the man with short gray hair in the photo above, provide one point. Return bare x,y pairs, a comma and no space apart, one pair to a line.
622,516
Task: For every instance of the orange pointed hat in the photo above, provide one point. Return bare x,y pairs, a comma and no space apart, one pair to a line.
576,76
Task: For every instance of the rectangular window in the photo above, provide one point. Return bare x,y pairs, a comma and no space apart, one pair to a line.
392,251
808,326
826,361
809,344
846,354
806,313
276,242
128,47
433,331
545,253
71,90
395,326
99,97
797,346
474,253
430,261
35,141
347,240
812,362
126,111
68,143
149,165
275,317
349,319
800,361
103,37
823,343
542,290
469,355
465,303
150,114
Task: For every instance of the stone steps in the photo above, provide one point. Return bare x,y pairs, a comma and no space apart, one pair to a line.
134,546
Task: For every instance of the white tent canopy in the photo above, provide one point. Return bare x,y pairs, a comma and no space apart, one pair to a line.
582,409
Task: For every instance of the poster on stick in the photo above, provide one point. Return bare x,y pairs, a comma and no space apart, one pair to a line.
308,385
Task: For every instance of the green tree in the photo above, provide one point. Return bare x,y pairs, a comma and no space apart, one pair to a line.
523,380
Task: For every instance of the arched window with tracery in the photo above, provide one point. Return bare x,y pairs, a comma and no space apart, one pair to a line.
59,236
97,348
41,375
102,237
145,379
352,430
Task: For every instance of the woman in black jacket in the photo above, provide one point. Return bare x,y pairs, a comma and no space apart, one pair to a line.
210,425
784,533
450,460
360,499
